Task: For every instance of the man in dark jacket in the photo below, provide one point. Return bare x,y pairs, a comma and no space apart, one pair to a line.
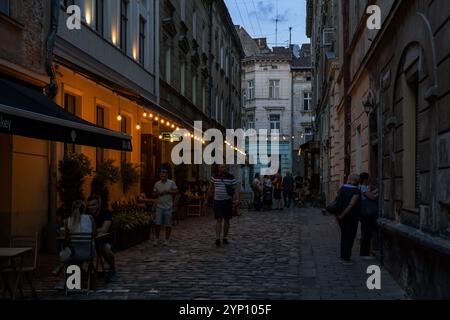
288,189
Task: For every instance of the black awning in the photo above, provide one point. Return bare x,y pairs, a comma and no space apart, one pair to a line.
25,111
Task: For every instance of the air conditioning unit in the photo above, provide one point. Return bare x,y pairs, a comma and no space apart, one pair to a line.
328,37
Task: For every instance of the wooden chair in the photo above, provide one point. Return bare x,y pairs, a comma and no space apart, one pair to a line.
194,208
29,267
85,240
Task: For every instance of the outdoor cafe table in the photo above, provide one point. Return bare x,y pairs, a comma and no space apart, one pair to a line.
12,254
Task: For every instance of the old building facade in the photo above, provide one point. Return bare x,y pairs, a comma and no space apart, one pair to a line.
303,113
22,57
200,65
389,117
267,97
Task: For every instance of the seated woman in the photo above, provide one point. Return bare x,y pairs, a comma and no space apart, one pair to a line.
78,222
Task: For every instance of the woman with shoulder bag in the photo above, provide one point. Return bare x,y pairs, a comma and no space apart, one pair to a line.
369,216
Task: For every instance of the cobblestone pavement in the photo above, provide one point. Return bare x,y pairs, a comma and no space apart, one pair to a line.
272,255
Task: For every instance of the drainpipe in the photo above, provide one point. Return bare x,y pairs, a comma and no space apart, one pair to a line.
51,92
347,98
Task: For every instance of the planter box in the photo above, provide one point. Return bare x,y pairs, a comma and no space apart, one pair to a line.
125,239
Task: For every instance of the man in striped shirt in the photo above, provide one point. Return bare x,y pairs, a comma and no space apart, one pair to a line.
223,188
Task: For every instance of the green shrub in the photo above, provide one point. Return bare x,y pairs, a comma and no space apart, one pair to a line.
107,173
74,168
130,175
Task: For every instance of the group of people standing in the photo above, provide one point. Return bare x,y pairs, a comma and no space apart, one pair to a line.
270,188
357,203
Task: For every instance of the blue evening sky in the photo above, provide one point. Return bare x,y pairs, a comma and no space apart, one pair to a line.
258,18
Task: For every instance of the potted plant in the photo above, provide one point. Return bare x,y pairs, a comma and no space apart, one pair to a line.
129,174
106,174
74,168
131,225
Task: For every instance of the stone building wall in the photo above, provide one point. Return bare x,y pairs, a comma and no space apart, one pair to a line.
23,33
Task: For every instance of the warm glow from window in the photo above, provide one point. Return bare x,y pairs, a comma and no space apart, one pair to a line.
134,53
114,36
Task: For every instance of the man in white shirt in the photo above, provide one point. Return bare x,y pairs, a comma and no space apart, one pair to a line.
165,189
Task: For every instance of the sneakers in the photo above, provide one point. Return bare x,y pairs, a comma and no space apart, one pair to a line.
347,262
218,242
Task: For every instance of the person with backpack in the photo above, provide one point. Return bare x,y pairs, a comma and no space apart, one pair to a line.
346,208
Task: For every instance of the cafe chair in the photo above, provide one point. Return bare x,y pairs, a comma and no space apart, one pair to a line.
194,208
86,242
29,266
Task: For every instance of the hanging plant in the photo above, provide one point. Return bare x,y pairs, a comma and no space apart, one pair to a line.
130,175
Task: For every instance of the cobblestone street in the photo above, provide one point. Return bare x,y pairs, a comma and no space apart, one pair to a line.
272,255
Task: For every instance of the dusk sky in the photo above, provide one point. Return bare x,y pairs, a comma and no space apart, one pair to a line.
258,18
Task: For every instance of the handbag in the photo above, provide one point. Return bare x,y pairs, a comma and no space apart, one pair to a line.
369,209
335,207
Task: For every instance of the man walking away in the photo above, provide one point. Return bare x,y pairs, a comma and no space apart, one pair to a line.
223,189
165,190
257,192
288,189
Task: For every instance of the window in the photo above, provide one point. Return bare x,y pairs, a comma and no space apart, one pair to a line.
308,134
274,89
100,152
70,105
307,101
194,90
274,122
203,99
142,27
251,121
251,90
183,78
222,57
204,39
216,109
168,65
123,24
220,115
67,3
244,97
183,10
194,24
99,15
124,125
5,7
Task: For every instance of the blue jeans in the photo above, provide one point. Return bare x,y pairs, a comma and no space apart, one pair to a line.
163,217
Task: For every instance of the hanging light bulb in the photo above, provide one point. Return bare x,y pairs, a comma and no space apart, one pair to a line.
160,137
151,115
119,117
156,118
168,123
173,126
162,121
178,129
145,114
138,127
